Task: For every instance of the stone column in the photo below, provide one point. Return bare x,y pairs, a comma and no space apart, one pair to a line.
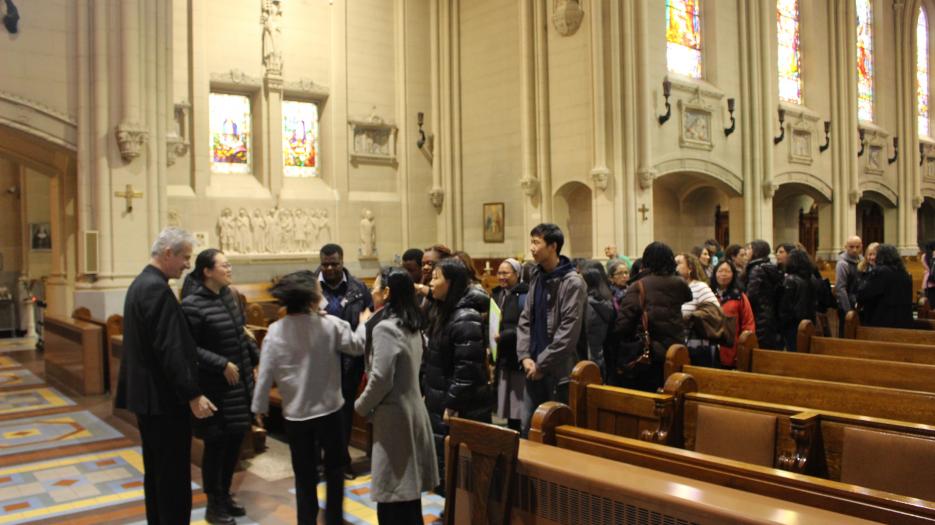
643,88
908,173
766,20
130,133
100,137
543,120
529,178
627,86
604,226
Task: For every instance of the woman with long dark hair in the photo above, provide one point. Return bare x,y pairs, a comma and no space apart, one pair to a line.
885,295
455,381
601,314
403,461
226,359
799,296
735,304
762,281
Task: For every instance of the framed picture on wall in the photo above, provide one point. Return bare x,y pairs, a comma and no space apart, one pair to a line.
40,235
493,222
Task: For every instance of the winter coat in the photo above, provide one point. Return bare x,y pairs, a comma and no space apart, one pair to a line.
763,283
455,370
403,460
799,301
600,325
356,298
566,307
665,295
510,302
217,324
845,281
886,298
735,304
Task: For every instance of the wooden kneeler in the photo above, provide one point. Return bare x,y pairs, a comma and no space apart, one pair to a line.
494,451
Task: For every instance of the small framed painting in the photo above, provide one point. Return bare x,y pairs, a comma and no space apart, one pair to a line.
40,234
493,222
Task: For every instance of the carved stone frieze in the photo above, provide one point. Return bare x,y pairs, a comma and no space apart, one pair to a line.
695,129
567,16
236,77
306,88
273,231
372,140
130,138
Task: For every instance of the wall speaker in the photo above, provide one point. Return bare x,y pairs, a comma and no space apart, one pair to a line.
91,252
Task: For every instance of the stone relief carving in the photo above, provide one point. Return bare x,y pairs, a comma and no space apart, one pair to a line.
601,177
236,77
646,177
800,146
272,36
437,197
769,189
308,88
373,139
368,234
566,16
174,219
695,125
130,139
854,196
917,201
875,160
530,185
275,231
177,139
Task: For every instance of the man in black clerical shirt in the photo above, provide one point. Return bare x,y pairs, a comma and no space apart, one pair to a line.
344,297
159,379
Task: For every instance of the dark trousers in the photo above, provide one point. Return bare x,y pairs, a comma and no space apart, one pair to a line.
538,392
218,463
400,513
167,480
350,381
306,439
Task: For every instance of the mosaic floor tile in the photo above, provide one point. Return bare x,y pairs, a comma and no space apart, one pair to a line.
46,432
32,399
17,344
18,377
198,518
8,362
359,509
70,485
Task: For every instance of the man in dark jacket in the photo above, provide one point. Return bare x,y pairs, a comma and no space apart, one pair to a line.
159,379
549,331
344,297
846,278
763,283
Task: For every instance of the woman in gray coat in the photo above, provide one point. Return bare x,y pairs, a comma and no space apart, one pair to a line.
403,460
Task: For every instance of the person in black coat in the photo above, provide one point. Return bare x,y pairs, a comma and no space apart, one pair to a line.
226,360
344,297
601,315
510,297
799,296
455,379
885,296
762,281
159,379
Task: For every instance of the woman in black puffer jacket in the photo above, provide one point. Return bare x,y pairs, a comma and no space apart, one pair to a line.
226,359
762,281
511,381
455,380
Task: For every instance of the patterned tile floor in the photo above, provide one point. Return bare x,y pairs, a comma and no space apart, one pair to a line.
359,509
16,377
59,430
8,362
17,344
32,399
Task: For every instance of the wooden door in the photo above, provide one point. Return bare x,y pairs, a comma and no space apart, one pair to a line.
722,226
870,219
808,229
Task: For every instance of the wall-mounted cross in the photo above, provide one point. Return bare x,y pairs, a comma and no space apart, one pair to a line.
129,195
643,210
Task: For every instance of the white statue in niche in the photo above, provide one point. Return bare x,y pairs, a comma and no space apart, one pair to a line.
226,231
286,232
272,238
368,234
272,36
260,230
244,239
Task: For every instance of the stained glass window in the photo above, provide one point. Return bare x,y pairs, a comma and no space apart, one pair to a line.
789,58
922,72
865,60
300,139
683,37
230,120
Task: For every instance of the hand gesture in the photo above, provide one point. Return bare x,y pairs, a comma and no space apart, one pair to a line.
231,374
364,316
202,407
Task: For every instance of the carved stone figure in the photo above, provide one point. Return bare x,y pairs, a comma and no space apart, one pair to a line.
272,36
226,231
174,219
260,229
323,229
286,232
244,240
272,239
300,218
368,234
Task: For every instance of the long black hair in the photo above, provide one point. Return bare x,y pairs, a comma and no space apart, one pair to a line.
732,285
297,291
458,277
888,255
402,302
658,259
799,263
596,279
204,261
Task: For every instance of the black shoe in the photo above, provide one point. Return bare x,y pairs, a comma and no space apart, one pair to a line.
234,508
349,474
216,512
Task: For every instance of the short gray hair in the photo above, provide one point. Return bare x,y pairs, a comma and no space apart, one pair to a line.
173,238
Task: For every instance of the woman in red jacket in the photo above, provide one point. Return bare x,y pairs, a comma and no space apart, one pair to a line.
735,304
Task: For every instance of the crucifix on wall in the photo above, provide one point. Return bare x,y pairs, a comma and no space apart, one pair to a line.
643,211
129,195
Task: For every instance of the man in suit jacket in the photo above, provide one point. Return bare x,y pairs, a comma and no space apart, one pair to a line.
159,379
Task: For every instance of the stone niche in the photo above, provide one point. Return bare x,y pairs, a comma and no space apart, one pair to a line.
373,140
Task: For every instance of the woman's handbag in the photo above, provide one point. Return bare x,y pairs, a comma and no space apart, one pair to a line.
637,352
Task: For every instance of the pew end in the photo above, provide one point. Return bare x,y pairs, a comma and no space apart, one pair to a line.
803,338
585,373
851,322
676,357
745,345
546,418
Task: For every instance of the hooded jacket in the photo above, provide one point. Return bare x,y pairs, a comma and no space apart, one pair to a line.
763,283
845,282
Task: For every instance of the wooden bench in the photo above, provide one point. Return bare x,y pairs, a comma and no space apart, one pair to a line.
922,333
879,350
112,326
74,355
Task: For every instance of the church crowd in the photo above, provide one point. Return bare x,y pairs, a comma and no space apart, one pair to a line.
421,338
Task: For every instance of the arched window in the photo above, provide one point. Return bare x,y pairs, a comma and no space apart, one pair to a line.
789,57
865,60
683,37
922,72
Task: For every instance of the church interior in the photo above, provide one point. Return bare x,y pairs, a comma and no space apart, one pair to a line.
269,128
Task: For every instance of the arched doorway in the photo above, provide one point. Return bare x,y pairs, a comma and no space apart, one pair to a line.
870,221
691,208
572,209
798,210
926,221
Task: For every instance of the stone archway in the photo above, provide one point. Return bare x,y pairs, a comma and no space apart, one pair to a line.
926,221
799,212
572,209
876,218
692,208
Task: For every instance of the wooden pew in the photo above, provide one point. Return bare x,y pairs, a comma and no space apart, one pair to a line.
74,355
922,333
887,351
873,372
112,326
553,423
